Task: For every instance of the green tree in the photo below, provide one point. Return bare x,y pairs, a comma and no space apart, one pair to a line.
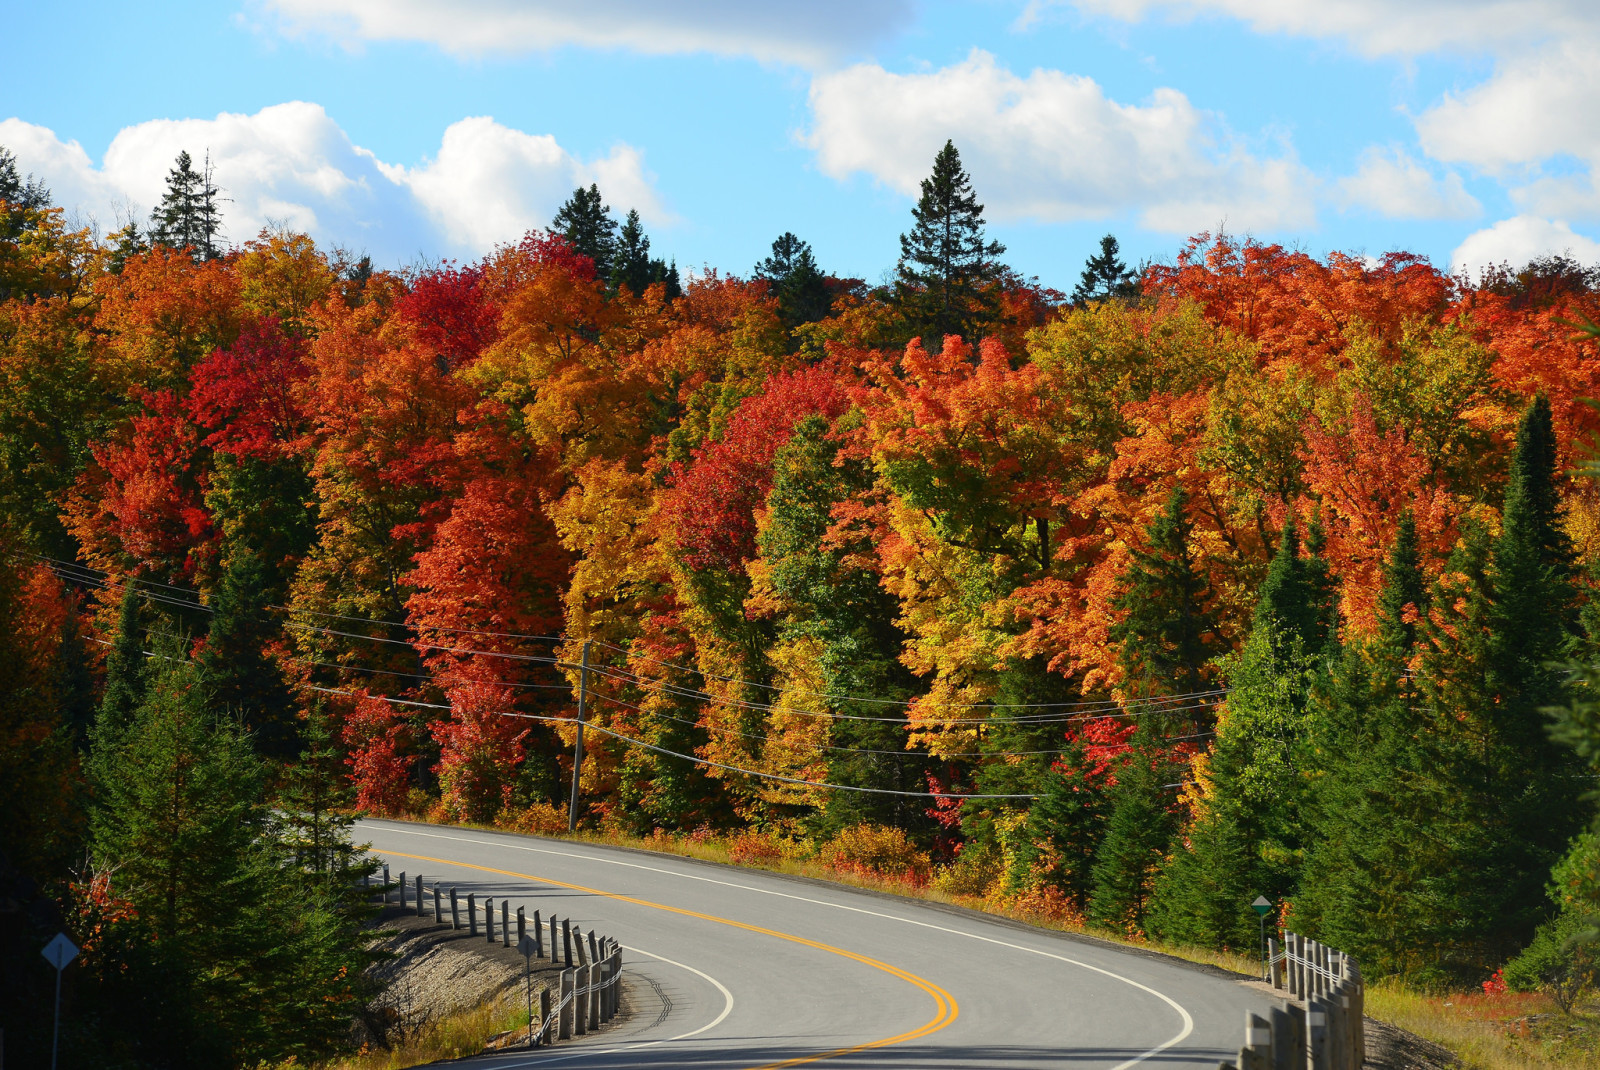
1167,635
190,213
585,221
234,668
948,274
796,282
1105,276
1138,835
633,267
125,672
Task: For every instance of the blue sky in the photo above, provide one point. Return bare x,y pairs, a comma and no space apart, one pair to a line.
1465,130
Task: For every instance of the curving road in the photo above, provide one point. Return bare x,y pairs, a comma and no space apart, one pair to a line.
737,969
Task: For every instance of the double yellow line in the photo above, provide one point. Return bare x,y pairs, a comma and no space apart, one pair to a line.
944,1002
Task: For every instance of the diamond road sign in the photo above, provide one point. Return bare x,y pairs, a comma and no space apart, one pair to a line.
1261,906
60,951
526,946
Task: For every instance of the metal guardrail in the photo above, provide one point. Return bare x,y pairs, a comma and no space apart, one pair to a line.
591,974
1320,1026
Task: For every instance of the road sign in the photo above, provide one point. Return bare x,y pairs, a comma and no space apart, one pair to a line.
526,946
1261,906
60,951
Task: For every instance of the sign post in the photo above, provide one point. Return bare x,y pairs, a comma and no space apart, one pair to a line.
1262,908
528,947
58,953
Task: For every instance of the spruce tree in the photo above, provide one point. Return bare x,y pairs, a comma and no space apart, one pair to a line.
234,669
125,673
796,282
1167,635
1105,276
1138,835
585,221
1297,594
631,264
315,804
948,272
22,196
190,213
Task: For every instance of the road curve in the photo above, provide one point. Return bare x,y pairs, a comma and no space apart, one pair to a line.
735,969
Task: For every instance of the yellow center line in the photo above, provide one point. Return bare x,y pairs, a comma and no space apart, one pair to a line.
943,1001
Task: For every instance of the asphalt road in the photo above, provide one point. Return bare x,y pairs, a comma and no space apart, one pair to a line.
736,969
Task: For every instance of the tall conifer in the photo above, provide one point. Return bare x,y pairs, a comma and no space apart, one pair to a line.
1166,636
190,213
948,268
234,667
585,221
1105,276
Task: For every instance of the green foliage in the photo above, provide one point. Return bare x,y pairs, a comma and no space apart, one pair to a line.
946,278
796,282
585,221
1105,276
1138,835
190,213
633,267
1167,636
235,669
1563,961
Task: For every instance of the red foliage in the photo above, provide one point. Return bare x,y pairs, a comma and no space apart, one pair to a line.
479,750
450,314
247,395
714,498
379,737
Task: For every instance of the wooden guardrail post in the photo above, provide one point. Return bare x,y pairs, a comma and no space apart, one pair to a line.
455,910
581,1002
546,1035
568,977
472,913
438,910
402,891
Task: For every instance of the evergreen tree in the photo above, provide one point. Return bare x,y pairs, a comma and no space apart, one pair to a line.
948,271
1105,276
1375,879
316,804
1297,594
843,610
190,213
1167,635
1138,835
125,673
633,267
585,221
22,196
234,669
798,285
126,244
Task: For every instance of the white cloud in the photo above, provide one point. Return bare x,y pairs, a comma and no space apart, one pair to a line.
1053,147
810,34
292,163
1383,27
1396,186
1517,240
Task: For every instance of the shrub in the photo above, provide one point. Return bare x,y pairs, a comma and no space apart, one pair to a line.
974,872
753,846
876,850
538,819
1560,962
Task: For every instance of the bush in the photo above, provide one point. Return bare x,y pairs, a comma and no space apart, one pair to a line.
539,819
876,850
1560,962
975,871
753,846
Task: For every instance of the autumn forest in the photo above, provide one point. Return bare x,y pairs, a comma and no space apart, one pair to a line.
1247,573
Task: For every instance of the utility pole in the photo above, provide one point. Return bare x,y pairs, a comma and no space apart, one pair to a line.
577,750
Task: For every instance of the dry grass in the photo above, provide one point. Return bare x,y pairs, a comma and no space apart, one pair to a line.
1504,1031
451,1037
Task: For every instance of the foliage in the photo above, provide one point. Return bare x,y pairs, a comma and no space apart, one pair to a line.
1559,962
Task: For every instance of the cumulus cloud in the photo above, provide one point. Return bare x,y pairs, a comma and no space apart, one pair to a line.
809,34
292,163
1522,238
1396,186
1052,147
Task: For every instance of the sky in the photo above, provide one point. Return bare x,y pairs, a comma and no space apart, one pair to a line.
1467,131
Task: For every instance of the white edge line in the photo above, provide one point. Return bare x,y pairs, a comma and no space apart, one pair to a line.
1182,1035
530,1059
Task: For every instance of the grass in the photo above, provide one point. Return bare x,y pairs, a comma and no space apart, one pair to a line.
1502,1031
453,1036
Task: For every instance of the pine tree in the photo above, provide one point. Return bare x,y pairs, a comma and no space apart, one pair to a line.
1383,814
798,285
948,271
585,221
1167,634
631,264
126,680
22,196
234,668
1138,836
1297,594
190,213
126,244
1105,276
316,803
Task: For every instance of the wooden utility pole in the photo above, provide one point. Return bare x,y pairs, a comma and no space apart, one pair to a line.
577,750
